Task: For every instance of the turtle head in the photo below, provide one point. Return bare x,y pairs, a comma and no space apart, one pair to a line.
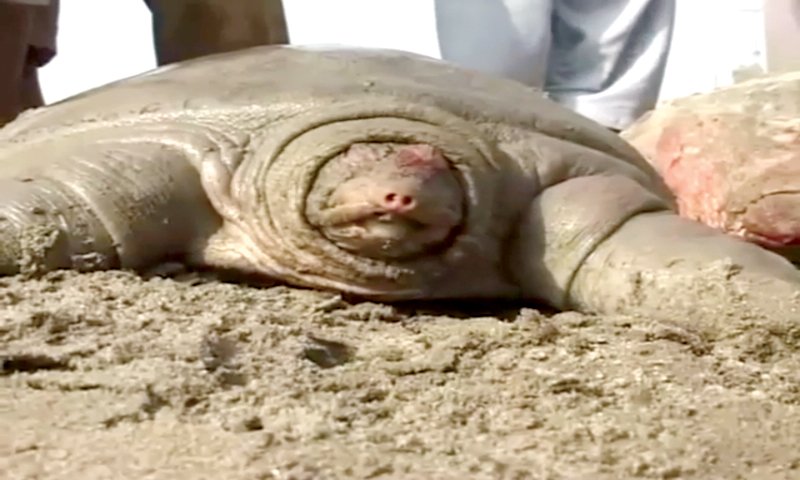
396,201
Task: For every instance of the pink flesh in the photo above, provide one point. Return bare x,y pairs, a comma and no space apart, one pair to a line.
698,189
720,177
775,220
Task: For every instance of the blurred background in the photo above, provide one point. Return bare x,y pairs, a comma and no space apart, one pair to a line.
715,41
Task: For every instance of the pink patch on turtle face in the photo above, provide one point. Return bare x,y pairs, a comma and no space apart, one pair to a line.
422,158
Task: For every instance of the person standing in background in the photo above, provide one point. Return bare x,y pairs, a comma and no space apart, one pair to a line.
605,60
782,27
182,29
27,42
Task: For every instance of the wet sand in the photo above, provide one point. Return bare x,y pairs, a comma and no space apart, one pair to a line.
111,375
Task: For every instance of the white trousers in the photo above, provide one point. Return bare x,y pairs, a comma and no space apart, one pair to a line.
603,58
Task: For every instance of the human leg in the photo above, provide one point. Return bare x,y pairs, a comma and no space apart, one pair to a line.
509,38
27,42
607,59
184,29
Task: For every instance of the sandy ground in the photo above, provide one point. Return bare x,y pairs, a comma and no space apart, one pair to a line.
111,375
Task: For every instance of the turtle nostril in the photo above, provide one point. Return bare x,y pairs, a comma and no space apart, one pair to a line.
394,200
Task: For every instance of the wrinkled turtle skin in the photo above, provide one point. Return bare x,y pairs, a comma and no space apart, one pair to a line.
274,161
731,157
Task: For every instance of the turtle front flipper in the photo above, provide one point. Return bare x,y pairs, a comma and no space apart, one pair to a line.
663,265
605,244
93,204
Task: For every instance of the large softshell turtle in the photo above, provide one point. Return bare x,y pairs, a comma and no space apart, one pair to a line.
376,173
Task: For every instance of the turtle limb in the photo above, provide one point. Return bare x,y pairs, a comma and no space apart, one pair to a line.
605,244
564,224
666,266
105,204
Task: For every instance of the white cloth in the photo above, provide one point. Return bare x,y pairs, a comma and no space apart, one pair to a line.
603,58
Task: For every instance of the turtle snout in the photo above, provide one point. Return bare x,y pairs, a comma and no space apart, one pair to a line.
395,201
390,201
